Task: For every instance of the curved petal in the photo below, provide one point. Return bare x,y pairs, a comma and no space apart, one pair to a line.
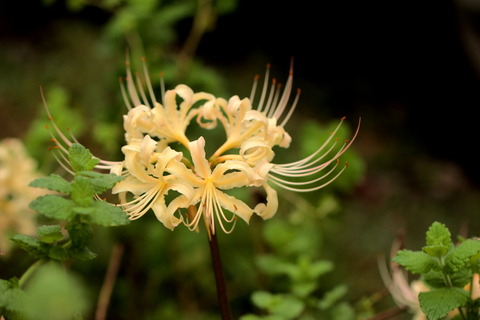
268,210
197,150
232,204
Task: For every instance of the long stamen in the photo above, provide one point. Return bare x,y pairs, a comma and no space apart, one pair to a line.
313,188
264,90
221,215
271,95
254,87
142,92
285,96
132,90
124,94
162,87
292,108
147,80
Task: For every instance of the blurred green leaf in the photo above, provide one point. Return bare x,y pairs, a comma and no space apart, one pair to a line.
11,296
332,297
30,244
50,233
55,294
286,306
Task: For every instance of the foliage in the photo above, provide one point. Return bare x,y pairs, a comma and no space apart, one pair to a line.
446,268
76,206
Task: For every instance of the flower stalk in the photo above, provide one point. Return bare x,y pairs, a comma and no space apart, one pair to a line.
219,278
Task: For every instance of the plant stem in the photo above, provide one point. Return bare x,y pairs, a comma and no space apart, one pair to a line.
27,274
219,278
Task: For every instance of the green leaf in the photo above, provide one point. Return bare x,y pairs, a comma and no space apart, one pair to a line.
436,250
438,303
82,254
58,253
50,233
333,296
81,158
30,244
101,182
461,255
82,191
283,305
11,296
438,236
342,311
108,215
416,261
53,293
434,279
53,182
54,206
80,234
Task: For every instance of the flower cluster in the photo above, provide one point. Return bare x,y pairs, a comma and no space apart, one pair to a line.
171,174
17,170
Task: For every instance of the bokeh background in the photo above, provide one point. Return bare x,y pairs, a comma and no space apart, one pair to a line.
409,69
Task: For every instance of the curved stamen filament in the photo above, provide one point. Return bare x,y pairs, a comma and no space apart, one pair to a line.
287,187
140,205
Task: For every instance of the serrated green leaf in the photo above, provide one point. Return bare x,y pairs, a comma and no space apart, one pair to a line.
81,159
58,253
108,215
82,191
438,303
11,296
53,182
53,206
435,250
434,279
460,256
80,234
101,182
30,244
416,261
438,235
50,233
461,278
82,254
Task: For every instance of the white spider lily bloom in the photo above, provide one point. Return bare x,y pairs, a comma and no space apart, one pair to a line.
210,186
17,170
148,180
246,158
167,120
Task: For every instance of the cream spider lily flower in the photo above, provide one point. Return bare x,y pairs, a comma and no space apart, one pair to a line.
148,179
198,184
166,121
210,186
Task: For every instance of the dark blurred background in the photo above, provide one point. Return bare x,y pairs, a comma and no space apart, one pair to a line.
409,69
